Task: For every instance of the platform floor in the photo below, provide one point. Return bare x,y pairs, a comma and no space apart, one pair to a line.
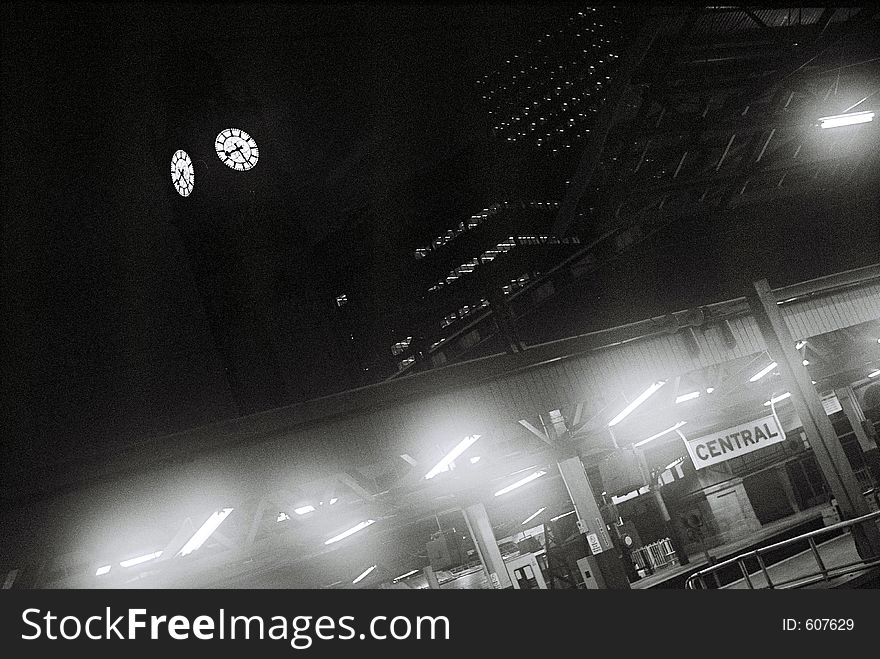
730,549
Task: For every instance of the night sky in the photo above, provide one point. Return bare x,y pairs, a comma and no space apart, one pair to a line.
106,339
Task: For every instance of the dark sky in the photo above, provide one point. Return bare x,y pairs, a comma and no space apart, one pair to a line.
105,338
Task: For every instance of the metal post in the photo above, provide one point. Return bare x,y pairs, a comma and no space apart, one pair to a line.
745,572
764,570
433,584
487,546
581,493
824,441
818,558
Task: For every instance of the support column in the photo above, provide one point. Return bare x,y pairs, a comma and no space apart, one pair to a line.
782,473
668,524
864,431
487,546
824,441
433,584
590,521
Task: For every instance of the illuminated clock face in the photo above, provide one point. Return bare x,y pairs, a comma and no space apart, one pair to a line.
183,176
237,149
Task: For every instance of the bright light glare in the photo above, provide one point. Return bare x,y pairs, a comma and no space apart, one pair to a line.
520,483
690,396
874,374
638,401
363,574
660,434
404,576
282,517
709,390
104,569
199,537
806,362
838,120
140,559
302,510
354,529
799,345
534,515
764,371
570,512
460,448
776,399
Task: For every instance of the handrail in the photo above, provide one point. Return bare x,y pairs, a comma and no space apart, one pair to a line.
826,573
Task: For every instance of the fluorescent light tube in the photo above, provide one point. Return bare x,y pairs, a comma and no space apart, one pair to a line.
363,574
140,559
104,569
570,512
475,459
764,371
302,510
874,374
404,576
776,399
450,457
354,529
534,515
205,531
638,401
520,483
660,434
838,120
690,396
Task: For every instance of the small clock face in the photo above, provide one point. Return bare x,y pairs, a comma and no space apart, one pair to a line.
237,149
183,176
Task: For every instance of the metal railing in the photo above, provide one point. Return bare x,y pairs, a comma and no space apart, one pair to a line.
698,579
655,555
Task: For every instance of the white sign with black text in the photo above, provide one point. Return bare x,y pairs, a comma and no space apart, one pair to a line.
734,442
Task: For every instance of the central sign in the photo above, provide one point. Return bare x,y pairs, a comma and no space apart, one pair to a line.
734,442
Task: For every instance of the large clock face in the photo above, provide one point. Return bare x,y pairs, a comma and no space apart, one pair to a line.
182,173
236,149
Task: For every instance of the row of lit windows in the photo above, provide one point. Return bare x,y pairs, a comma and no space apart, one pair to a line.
556,116
401,346
477,219
461,313
470,223
504,246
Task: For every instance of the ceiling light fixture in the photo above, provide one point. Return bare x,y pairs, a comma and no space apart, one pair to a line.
764,371
838,120
363,574
647,393
520,483
660,434
450,457
354,529
533,515
205,531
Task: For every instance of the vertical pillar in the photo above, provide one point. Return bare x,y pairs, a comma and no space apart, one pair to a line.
433,584
590,521
782,473
668,524
864,431
487,546
824,441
